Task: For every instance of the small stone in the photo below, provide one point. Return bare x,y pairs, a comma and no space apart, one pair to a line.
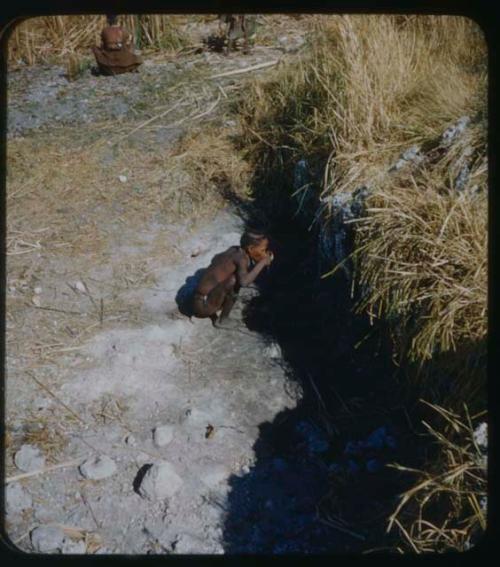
47,538
160,481
72,547
29,458
186,544
214,474
376,439
354,448
36,301
37,290
130,440
272,351
162,435
97,468
122,178
80,286
481,435
17,499
483,503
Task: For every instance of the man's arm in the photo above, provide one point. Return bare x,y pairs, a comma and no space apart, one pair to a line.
245,278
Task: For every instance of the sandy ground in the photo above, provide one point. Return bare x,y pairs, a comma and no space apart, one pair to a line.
142,367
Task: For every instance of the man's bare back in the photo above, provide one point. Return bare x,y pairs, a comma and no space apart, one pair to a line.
227,272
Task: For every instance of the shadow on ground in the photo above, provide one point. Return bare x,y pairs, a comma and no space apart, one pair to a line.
318,484
184,296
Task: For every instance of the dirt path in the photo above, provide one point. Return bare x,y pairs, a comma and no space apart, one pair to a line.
167,372
141,367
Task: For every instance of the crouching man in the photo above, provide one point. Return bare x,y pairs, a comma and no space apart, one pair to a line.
237,267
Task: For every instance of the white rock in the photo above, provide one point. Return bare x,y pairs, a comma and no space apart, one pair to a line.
37,290
214,474
160,481
97,468
186,544
130,440
272,351
17,499
80,286
162,435
29,458
47,538
481,435
122,178
36,300
72,547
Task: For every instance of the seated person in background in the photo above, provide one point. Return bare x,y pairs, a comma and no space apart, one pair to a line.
115,56
228,271
238,27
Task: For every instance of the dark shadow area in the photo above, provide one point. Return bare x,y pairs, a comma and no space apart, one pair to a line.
139,477
319,483
184,296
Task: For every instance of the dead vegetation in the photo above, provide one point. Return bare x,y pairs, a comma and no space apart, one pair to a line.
446,509
69,38
368,88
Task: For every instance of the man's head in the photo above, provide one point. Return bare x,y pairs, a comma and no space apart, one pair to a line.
112,20
255,243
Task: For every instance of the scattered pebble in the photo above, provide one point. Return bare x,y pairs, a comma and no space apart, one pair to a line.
130,440
214,474
36,301
272,351
186,543
29,458
72,547
122,178
80,286
481,435
37,290
160,481
97,468
47,538
162,435
17,499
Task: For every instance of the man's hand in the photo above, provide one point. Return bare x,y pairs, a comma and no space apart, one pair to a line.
268,258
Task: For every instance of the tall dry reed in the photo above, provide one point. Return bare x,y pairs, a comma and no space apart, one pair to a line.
51,38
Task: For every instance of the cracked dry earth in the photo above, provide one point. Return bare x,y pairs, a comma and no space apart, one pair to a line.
141,438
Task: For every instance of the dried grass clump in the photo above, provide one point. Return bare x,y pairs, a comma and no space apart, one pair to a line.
366,87
422,253
216,171
445,510
50,38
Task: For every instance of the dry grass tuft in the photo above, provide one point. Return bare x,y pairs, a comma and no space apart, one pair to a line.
443,510
212,162
52,38
423,253
368,88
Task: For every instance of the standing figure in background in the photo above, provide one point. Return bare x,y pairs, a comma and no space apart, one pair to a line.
115,56
237,27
